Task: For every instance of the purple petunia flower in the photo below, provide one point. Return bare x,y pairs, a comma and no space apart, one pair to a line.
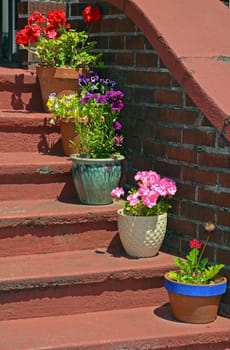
117,125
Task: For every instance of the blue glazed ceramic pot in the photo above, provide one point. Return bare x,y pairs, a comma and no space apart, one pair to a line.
94,179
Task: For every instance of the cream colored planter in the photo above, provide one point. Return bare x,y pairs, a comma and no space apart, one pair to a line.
141,236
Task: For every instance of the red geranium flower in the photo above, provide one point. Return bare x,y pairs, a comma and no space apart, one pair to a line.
36,17
56,18
91,14
194,243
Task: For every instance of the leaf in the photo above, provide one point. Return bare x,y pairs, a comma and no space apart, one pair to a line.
212,271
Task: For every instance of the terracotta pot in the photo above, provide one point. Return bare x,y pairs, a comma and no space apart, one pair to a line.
58,80
193,303
67,128
141,236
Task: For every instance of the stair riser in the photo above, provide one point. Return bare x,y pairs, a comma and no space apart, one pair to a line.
20,90
30,236
24,141
47,186
76,299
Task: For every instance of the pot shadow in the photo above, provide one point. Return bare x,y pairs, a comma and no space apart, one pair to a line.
164,312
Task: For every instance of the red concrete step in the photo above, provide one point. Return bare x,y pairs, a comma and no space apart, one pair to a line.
22,131
19,90
79,281
37,175
45,226
144,328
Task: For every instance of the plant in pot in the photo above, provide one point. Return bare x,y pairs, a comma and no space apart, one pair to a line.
195,288
65,111
97,168
63,53
143,219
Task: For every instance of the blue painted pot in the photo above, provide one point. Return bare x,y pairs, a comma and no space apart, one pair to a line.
193,303
94,179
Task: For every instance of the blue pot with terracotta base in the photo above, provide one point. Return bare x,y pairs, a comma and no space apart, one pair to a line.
94,179
193,303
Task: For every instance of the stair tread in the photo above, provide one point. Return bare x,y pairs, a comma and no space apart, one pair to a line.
33,163
140,328
44,208
80,266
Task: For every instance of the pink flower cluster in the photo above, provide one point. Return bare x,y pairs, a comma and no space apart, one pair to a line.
150,188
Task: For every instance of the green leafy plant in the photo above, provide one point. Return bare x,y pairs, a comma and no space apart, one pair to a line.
55,44
195,269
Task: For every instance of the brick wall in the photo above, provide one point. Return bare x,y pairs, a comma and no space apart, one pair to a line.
165,131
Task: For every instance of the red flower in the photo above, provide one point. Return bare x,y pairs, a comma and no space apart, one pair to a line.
30,33
22,37
36,17
91,14
194,243
56,18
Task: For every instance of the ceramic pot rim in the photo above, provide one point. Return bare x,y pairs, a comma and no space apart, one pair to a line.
194,289
121,213
81,159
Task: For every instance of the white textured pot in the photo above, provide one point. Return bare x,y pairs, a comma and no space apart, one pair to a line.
141,236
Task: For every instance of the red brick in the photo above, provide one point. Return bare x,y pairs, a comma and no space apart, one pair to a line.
181,154
22,8
217,198
199,137
141,163
124,59
199,176
153,148
167,134
169,97
224,180
136,77
135,42
185,191
223,256
223,217
182,227
119,26
146,60
158,78
116,41
167,169
196,212
214,160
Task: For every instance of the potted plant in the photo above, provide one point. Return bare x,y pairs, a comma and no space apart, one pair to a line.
65,110
98,166
142,221
63,53
195,288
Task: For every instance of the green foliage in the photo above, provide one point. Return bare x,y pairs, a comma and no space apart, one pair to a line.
94,129
194,270
70,49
